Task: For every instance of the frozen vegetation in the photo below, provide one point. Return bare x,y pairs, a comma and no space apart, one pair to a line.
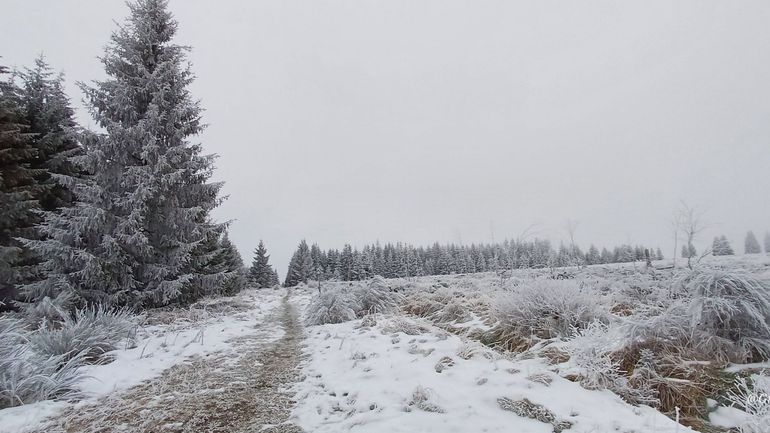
585,349
125,306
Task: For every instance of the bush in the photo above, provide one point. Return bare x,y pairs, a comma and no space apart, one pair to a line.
331,306
752,397
375,296
421,304
729,314
87,333
26,376
422,398
547,309
453,311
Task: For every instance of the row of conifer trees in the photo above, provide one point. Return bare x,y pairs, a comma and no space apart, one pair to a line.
120,216
310,262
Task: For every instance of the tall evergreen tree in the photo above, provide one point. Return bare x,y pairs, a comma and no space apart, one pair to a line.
751,244
18,190
51,119
234,273
300,266
136,235
721,247
261,273
767,242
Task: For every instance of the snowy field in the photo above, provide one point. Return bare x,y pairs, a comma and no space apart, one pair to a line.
404,375
582,350
436,363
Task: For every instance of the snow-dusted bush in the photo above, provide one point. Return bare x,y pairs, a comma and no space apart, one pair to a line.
26,376
752,397
331,306
408,327
48,311
453,311
421,304
593,353
374,296
423,399
729,311
547,308
590,353
87,333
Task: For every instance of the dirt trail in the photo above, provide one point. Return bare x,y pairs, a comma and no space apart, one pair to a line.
241,392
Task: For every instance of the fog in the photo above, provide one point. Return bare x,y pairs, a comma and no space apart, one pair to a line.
459,121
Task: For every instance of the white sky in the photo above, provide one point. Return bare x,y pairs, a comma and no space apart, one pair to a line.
447,120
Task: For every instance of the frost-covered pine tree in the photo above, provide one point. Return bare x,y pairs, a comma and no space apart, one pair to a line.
51,119
234,272
751,244
135,236
721,247
18,190
261,273
300,266
767,242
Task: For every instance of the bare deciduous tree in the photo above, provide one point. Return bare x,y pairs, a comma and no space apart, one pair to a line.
688,222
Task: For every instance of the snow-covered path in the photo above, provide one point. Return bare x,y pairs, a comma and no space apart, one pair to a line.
241,390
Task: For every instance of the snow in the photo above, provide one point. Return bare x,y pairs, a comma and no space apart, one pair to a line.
23,418
362,379
158,348
727,417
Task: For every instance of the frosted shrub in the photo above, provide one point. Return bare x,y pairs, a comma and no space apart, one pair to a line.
88,333
48,311
729,313
26,376
331,306
753,398
422,398
592,352
375,296
453,311
547,308
421,304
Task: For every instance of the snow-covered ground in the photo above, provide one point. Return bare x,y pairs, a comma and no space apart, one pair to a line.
212,326
400,373
383,373
364,378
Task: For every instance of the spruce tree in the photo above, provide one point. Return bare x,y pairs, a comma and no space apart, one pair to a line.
137,237
300,266
721,246
18,190
51,119
751,244
767,242
234,274
261,273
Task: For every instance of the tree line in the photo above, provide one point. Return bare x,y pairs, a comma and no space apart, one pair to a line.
403,260
119,216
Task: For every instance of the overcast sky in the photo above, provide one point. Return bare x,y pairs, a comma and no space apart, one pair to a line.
459,121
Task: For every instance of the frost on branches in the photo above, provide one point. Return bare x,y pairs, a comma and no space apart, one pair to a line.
141,232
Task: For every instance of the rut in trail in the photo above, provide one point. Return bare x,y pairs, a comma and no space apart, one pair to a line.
228,393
